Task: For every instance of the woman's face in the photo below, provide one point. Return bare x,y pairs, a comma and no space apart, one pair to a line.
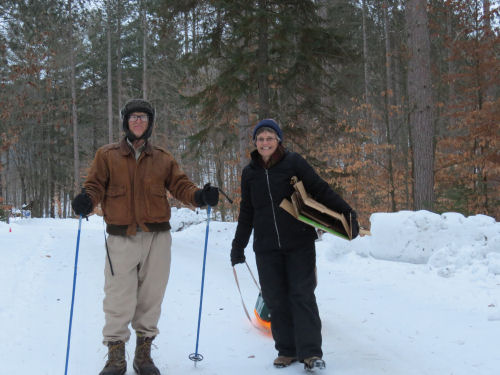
267,143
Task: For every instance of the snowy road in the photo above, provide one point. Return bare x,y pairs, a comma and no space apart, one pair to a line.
379,317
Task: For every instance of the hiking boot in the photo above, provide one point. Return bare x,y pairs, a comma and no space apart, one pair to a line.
312,363
116,364
284,361
143,364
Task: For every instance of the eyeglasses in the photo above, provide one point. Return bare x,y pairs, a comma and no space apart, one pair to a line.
268,139
134,118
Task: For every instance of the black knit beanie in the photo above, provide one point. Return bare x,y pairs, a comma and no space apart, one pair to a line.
270,124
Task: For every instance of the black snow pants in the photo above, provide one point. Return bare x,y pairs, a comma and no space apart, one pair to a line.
288,279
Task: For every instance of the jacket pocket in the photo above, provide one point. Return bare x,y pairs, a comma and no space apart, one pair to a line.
115,191
115,205
156,202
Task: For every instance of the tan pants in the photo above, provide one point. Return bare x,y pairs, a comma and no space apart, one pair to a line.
141,266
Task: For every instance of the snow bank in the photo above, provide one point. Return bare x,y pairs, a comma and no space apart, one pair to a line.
447,242
185,217
181,219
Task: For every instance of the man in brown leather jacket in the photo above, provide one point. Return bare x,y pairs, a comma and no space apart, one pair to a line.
130,180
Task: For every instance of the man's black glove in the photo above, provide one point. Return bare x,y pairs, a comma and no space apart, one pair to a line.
353,217
82,204
237,256
209,195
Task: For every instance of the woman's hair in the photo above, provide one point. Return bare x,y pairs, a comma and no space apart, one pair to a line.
266,129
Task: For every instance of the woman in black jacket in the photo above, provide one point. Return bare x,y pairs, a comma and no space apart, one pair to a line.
284,246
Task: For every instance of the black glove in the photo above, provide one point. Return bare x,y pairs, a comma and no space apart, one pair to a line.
353,217
237,256
209,195
82,204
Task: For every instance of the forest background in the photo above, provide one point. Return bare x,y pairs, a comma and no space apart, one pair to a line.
395,103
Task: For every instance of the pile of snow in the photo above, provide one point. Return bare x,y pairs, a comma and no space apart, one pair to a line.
184,217
447,243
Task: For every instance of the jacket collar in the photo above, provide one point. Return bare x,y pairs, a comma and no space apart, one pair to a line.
275,158
126,149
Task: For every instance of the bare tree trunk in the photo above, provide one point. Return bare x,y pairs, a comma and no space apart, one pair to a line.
487,13
22,179
50,179
450,62
243,130
74,118
487,95
119,63
262,58
144,54
365,54
186,32
401,121
194,27
388,96
420,104
2,178
65,204
8,163
489,33
110,77
219,175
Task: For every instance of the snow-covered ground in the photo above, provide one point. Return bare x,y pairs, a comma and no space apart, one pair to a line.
420,296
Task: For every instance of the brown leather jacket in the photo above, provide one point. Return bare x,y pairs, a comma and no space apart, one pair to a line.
134,193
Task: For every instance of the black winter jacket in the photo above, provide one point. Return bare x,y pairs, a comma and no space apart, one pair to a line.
262,191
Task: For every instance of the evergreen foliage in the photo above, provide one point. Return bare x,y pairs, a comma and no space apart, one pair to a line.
332,73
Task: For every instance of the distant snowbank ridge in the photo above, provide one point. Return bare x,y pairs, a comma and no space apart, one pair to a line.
447,242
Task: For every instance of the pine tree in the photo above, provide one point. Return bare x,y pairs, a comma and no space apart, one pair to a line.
421,105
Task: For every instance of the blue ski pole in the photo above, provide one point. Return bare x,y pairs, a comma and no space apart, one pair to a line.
196,357
73,294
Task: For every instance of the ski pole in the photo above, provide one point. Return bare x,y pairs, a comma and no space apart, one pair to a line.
196,357
73,294
227,197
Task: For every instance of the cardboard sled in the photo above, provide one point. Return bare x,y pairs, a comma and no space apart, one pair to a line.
311,212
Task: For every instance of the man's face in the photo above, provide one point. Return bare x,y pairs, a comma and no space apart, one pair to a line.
138,123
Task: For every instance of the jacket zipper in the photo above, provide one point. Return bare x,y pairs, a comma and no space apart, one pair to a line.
272,207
